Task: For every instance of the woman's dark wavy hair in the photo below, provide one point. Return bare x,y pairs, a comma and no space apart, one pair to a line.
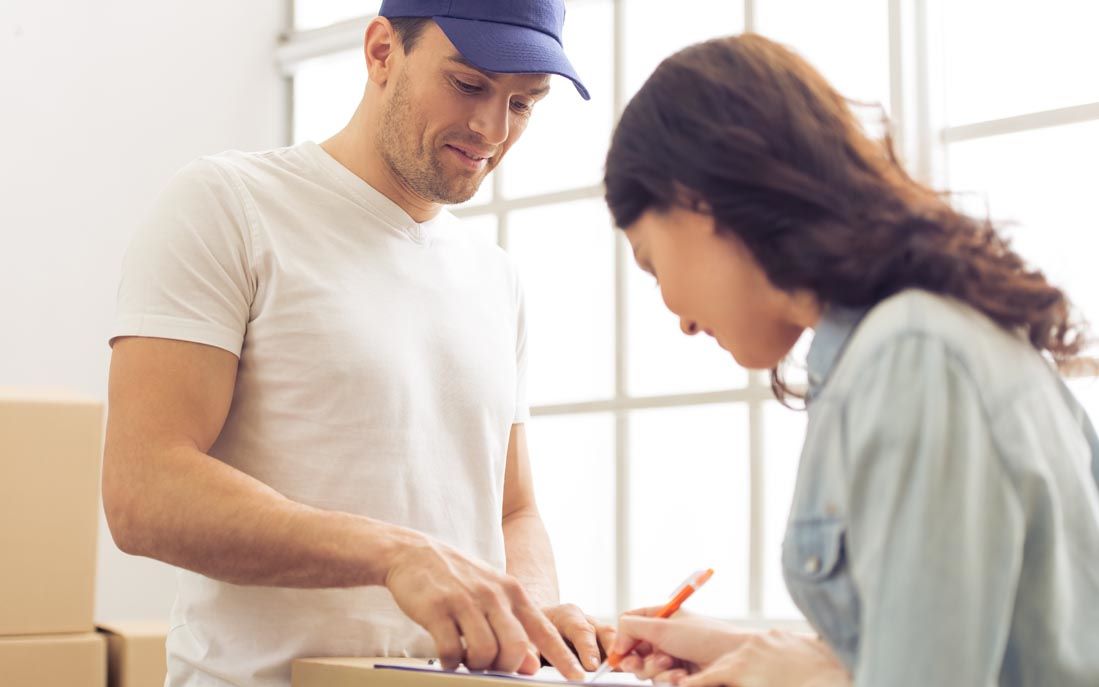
751,129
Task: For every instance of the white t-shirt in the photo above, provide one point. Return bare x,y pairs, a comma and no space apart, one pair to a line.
381,367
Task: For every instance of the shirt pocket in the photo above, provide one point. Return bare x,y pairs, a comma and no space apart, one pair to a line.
814,563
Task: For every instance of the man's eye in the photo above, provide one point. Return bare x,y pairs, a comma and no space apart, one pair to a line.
466,87
521,107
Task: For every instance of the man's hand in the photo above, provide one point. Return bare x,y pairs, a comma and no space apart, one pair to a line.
455,598
591,639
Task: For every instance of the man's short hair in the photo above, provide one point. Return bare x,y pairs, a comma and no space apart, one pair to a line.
408,30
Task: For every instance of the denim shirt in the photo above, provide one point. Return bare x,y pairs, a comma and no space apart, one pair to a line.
945,523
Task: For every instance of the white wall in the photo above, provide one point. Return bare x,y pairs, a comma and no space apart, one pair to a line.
100,102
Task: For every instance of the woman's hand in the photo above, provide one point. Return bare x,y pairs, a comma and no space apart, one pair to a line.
671,648
693,651
774,659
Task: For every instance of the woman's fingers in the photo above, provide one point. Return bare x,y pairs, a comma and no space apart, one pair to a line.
655,664
632,664
675,676
723,673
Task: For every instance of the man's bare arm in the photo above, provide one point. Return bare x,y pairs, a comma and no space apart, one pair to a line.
529,554
166,498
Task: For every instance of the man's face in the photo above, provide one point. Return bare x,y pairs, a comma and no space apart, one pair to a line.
445,124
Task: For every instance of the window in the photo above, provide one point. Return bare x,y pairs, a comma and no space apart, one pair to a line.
615,388
640,434
326,91
314,14
575,477
1021,136
562,251
1010,58
690,503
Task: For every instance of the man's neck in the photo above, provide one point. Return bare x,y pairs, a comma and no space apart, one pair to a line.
354,149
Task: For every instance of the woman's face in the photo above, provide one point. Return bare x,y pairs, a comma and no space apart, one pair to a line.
714,284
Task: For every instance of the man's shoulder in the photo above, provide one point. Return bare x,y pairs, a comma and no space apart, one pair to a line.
250,164
219,170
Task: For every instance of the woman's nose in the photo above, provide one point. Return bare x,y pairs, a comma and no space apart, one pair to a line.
689,328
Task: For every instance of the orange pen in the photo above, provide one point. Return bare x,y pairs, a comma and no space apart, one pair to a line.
681,594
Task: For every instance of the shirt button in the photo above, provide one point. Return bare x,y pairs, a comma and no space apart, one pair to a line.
812,565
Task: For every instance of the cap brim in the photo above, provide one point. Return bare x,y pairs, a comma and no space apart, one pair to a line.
509,49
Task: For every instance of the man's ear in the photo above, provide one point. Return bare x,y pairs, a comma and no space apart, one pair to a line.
381,47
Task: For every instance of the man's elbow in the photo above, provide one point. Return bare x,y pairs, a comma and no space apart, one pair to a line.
122,505
524,511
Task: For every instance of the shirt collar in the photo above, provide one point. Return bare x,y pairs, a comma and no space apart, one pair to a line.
831,335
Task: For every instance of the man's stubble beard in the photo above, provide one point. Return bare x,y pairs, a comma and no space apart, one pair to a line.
418,169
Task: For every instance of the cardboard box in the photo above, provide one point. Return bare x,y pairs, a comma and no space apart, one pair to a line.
50,446
136,656
78,660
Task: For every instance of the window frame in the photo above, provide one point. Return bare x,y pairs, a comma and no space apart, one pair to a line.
295,47
921,137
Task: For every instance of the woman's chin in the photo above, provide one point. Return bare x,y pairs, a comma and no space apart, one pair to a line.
752,361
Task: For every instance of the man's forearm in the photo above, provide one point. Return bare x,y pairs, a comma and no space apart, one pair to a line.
530,556
198,513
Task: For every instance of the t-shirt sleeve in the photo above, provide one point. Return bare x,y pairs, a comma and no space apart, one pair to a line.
188,274
522,407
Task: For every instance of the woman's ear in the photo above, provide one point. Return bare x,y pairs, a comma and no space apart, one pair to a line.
806,308
692,200
700,206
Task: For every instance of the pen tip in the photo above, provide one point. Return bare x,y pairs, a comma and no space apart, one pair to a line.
603,670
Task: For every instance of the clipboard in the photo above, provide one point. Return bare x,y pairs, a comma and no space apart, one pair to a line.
419,672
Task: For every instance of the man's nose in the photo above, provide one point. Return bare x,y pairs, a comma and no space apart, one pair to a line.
491,122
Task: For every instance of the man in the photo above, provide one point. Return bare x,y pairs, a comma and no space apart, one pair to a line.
317,382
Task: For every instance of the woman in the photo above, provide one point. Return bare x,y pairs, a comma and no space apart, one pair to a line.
945,523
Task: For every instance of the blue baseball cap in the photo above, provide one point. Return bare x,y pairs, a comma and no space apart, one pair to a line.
503,36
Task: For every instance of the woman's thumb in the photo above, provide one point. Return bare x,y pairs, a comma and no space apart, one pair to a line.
636,628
